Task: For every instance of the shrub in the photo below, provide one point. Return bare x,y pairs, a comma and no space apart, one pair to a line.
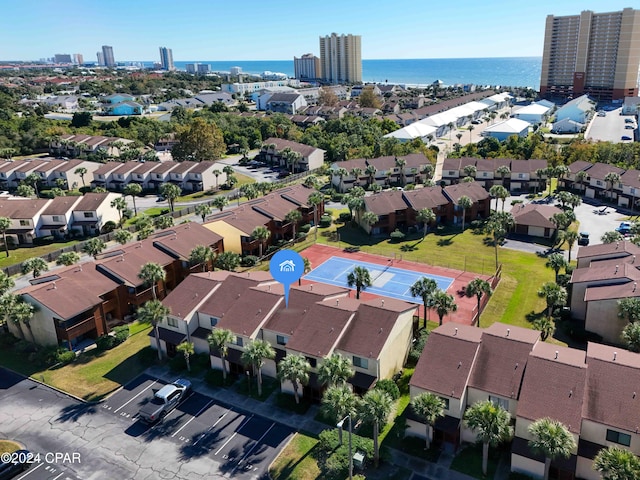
108,227
389,387
249,261
65,356
396,236
418,346
344,217
325,221
121,333
337,197
304,228
336,456
328,213
105,342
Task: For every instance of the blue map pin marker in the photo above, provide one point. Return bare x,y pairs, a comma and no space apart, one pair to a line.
286,266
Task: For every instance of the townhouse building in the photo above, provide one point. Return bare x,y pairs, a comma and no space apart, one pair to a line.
92,212
24,214
309,158
56,219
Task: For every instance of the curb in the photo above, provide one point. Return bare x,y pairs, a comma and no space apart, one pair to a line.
40,382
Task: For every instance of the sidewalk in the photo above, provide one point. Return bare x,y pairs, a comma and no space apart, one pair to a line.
267,409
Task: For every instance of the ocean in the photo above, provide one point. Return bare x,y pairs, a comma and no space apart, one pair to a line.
514,72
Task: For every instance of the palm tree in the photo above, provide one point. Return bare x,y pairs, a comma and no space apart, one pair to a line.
355,173
220,202
546,326
22,313
6,283
498,226
478,287
554,294
339,401
551,439
430,407
629,309
370,171
612,179
294,368
201,255
119,204
7,302
122,236
556,261
503,171
615,463
315,199
5,224
361,278
471,129
170,192
67,258
219,339
203,209
424,288
133,189
425,216
580,178
261,234
335,370
450,127
153,312
491,424
94,246
217,173
570,237
82,172
187,349
35,265
470,171
293,217
443,304
464,203
459,136
151,273
401,163
369,219
341,173
427,170
255,354
375,408
499,192
311,181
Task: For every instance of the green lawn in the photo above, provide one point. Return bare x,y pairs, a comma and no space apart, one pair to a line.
94,374
296,461
19,255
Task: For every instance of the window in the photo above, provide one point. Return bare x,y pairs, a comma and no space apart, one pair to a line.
633,191
57,218
281,339
88,214
360,362
312,361
238,341
24,223
446,402
500,402
618,437
214,321
172,322
599,183
521,175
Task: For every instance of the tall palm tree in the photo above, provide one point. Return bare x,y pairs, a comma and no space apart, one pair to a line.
556,261
133,189
401,163
580,178
94,246
612,179
355,173
153,312
201,255
503,171
551,439
122,236
570,237
491,424
471,129
478,287
464,203
499,192
335,370
430,407
219,339
171,192
35,265
6,283
424,288
151,273
554,294
82,172
615,463
7,302
341,173
5,224
369,219
375,408
203,209
255,353
220,202
293,217
443,304
21,314
217,173
370,171
187,349
425,216
261,234
119,204
340,401
360,278
315,199
294,368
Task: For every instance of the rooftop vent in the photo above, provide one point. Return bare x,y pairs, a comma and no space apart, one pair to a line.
337,301
616,269
615,354
556,357
383,302
508,331
455,332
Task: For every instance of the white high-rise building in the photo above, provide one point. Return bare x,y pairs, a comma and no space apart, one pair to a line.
100,56
166,59
341,58
107,54
306,67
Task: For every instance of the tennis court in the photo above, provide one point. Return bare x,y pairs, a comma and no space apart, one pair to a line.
387,281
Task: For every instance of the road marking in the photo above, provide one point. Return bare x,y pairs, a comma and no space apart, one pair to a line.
192,418
56,478
212,426
31,470
234,434
132,399
253,448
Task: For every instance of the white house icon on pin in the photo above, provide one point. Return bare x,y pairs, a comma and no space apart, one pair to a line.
287,266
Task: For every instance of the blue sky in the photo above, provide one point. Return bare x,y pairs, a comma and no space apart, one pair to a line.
279,29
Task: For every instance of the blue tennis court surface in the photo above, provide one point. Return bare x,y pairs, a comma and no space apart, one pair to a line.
386,280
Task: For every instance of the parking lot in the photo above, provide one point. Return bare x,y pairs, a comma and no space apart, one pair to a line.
202,438
200,426
611,127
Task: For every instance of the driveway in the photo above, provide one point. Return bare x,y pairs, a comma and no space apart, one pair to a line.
202,438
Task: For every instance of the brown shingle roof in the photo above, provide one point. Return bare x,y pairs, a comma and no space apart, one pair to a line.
454,349
224,297
319,329
181,239
601,170
274,207
61,205
622,249
613,377
554,387
610,270
473,190
107,168
427,197
301,148
127,261
612,292
91,201
249,310
535,215
21,208
502,359
578,166
190,293
386,202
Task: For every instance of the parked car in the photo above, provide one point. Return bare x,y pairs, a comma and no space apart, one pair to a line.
625,138
165,400
602,114
476,122
628,120
583,239
629,127
624,228
19,462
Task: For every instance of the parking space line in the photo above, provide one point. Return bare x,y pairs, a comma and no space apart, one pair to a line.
253,448
56,478
246,420
132,399
212,426
193,418
31,470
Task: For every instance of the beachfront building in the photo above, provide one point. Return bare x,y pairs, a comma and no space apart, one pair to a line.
166,59
306,67
341,58
591,53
